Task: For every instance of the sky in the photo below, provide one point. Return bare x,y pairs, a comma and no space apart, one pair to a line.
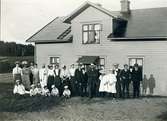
20,19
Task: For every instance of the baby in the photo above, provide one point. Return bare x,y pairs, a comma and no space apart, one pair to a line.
19,88
46,91
66,92
55,91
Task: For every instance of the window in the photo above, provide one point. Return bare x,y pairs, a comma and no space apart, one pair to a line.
54,60
139,61
102,63
91,33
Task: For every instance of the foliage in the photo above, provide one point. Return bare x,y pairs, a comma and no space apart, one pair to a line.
13,49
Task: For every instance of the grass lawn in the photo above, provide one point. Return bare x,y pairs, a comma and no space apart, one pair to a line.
77,109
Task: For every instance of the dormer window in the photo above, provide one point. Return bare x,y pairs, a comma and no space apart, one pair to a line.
91,33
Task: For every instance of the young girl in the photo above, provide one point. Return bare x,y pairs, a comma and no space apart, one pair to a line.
55,91
38,89
33,90
66,92
46,91
19,88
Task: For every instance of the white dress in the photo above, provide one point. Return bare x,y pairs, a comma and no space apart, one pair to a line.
103,83
66,93
55,92
111,83
19,89
43,76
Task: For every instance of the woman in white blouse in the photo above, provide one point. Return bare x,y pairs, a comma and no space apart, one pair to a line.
51,77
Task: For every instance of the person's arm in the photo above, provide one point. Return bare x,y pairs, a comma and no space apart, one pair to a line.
15,90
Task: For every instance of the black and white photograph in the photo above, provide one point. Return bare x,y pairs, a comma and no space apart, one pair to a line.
83,60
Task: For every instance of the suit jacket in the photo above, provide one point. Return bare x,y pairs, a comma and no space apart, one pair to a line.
125,75
136,75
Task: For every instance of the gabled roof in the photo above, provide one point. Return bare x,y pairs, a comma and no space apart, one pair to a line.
85,6
145,23
55,31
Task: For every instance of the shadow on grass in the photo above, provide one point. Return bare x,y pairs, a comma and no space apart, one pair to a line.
16,103
163,116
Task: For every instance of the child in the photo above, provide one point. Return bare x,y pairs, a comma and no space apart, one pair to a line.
46,91
38,89
55,91
66,92
19,88
32,90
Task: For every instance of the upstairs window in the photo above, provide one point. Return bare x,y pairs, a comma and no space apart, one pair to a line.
91,33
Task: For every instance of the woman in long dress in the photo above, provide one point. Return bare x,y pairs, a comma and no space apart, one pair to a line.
43,76
111,77
51,78
26,75
35,73
103,83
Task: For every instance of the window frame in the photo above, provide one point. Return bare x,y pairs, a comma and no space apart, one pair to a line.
87,31
56,57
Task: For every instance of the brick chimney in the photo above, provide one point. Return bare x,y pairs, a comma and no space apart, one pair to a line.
125,6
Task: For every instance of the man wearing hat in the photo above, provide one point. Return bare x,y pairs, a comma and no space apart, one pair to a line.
136,78
117,72
17,71
125,77
79,78
93,76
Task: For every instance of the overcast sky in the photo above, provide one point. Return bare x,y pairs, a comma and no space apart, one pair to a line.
22,18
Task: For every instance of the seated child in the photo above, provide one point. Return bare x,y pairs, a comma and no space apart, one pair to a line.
32,90
55,91
38,89
46,91
66,92
19,88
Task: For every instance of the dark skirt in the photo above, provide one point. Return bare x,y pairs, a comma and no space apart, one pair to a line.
50,82
17,77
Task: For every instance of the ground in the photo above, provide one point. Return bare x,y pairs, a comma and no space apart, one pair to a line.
77,109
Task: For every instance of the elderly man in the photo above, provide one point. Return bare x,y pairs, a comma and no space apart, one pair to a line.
93,76
136,78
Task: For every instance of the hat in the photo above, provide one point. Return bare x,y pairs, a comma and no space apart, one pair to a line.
136,65
32,85
17,80
125,65
53,86
102,71
17,62
24,62
50,65
66,87
111,69
116,64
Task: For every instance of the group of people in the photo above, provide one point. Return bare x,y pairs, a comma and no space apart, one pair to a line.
82,81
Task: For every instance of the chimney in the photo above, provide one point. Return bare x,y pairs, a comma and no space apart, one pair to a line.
125,6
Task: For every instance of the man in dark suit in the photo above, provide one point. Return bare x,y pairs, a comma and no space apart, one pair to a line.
125,77
136,78
117,72
79,78
92,78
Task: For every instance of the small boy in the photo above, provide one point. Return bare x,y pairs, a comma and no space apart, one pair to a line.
66,92
46,91
38,89
33,90
55,91
19,88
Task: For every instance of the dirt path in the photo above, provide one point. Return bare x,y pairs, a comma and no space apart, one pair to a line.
84,109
